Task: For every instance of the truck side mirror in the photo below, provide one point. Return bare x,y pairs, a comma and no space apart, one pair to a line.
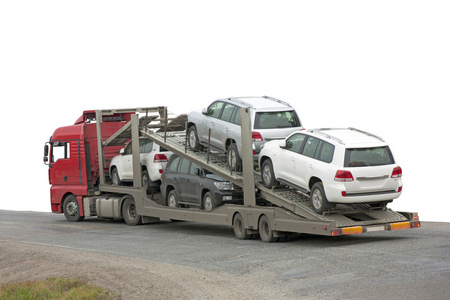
46,149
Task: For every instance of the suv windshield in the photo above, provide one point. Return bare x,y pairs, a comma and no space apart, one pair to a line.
276,119
362,157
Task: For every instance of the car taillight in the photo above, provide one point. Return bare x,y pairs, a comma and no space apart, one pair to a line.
343,176
256,136
397,172
160,158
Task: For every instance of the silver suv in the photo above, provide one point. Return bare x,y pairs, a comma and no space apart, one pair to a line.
270,119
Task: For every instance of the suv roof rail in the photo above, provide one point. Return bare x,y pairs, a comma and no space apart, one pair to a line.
366,133
320,131
277,100
240,101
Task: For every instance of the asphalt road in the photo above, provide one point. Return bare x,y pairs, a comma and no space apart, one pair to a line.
404,264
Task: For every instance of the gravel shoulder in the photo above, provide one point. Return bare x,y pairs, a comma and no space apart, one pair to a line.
128,278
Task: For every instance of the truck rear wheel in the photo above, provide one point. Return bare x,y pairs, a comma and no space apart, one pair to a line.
265,230
71,209
239,228
129,212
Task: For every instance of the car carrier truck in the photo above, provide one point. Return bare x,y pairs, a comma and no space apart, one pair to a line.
78,158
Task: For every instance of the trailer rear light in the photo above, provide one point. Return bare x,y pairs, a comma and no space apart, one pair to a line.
343,176
397,172
335,232
415,224
159,158
256,136
352,230
402,225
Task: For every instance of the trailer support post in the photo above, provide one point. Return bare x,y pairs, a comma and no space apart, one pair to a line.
136,157
247,159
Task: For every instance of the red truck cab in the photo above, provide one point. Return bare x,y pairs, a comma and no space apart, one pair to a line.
72,157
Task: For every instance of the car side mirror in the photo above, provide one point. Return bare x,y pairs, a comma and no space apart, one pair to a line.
198,172
205,111
122,151
283,144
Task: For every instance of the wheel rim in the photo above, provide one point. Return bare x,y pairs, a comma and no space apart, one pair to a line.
115,178
132,211
317,199
208,203
267,174
232,158
172,200
192,139
71,208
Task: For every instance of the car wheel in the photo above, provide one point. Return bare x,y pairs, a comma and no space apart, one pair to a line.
172,199
208,202
265,230
234,161
146,181
129,212
115,177
239,228
193,141
267,174
71,209
318,198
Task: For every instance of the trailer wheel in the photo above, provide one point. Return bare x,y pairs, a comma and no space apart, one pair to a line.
71,209
239,229
129,212
267,174
172,199
318,198
265,230
234,160
208,202
193,142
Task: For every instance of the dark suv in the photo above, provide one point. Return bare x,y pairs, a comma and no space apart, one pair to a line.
186,184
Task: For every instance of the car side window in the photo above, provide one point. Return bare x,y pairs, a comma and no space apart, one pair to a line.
146,145
294,143
326,152
310,146
185,166
236,117
215,109
128,149
227,112
174,164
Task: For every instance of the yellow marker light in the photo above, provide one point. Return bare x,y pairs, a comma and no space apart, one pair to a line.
402,225
352,230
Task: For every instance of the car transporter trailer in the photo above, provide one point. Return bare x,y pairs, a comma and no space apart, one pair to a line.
273,214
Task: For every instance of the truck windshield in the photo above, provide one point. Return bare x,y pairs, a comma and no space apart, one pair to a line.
363,157
276,119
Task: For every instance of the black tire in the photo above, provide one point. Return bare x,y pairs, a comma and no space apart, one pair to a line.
172,199
239,228
129,212
265,230
72,209
233,158
318,198
146,182
193,141
267,174
208,202
115,177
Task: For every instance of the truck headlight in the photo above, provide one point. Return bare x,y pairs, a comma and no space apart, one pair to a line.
224,185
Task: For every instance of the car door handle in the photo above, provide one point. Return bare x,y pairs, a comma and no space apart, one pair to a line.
310,166
188,180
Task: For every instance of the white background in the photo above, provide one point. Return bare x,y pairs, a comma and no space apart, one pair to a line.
381,66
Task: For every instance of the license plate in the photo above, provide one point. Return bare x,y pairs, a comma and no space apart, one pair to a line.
375,228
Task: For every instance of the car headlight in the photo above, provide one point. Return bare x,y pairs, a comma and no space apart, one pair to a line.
224,185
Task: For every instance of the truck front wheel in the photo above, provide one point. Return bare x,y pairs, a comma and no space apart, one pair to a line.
239,228
71,209
129,212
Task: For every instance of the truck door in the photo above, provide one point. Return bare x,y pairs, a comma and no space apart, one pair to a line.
65,168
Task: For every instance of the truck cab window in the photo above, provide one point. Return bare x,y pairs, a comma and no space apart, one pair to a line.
60,150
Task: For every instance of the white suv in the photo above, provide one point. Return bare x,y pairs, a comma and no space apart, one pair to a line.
270,119
153,160
333,166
